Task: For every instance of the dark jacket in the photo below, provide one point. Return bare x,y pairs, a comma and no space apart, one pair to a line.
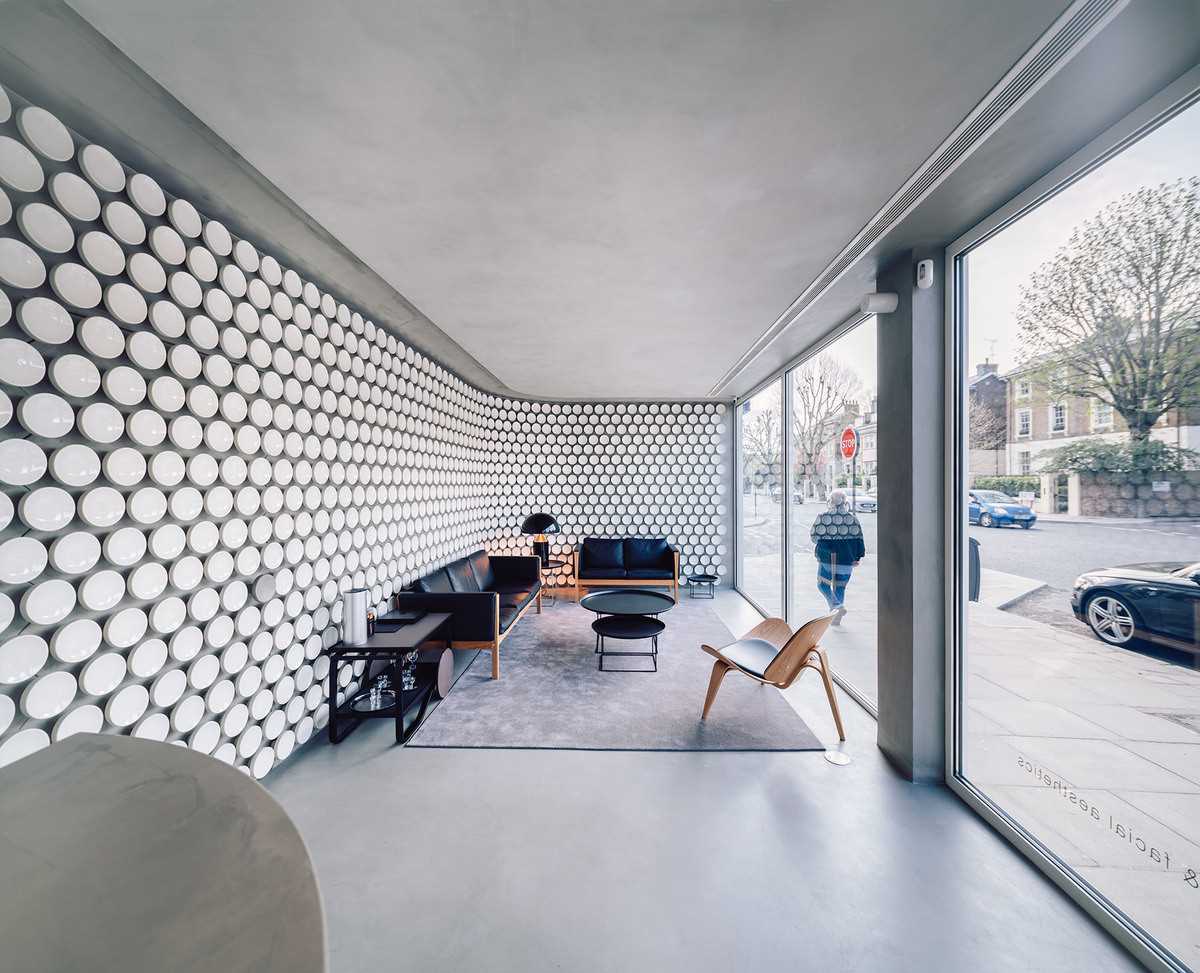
845,550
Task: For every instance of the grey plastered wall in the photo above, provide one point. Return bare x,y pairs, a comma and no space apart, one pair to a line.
911,524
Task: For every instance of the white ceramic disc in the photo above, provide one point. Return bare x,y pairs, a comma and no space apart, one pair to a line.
147,350
124,223
101,423
148,658
124,708
185,432
22,658
202,264
125,303
125,628
20,266
75,465
45,227
184,217
169,687
75,553
5,309
187,573
48,508
19,168
125,546
202,332
147,428
45,320
101,338
45,133
124,385
185,289
185,362
102,253
147,505
74,196
8,612
48,695
166,394
5,208
233,281
168,541
76,285
76,641
217,238
146,194
206,737
167,319
21,462
87,718
102,168
101,506
22,744
102,590
168,615
103,674
148,581
156,726
47,415
48,602
218,304
125,467
167,468
147,273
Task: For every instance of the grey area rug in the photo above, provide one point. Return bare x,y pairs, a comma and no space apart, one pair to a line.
550,694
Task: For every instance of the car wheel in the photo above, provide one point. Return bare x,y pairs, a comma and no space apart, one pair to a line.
1026,524
985,520
1111,619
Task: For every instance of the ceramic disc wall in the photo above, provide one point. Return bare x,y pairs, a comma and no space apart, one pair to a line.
200,452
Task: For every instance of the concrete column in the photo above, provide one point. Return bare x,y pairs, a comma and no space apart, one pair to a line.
912,638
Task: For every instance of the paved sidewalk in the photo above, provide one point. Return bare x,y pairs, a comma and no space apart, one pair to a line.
1096,751
1118,521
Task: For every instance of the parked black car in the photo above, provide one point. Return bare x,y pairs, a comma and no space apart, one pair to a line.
1157,602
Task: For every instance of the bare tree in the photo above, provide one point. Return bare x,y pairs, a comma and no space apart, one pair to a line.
821,389
762,448
1115,314
987,427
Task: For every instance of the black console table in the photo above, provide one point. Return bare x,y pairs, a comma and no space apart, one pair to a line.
389,644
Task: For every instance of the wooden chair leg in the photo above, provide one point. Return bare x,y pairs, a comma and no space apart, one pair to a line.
714,683
833,703
496,661
539,601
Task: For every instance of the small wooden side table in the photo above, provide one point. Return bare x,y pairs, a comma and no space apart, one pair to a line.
389,646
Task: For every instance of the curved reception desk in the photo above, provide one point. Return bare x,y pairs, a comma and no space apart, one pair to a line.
126,854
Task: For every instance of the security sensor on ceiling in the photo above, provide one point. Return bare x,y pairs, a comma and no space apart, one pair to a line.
924,275
878,303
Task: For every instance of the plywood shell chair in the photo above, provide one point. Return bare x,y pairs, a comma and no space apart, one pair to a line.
771,654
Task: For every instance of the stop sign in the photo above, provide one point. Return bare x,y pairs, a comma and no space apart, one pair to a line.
848,442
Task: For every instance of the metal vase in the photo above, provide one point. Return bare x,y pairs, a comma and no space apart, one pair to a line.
354,617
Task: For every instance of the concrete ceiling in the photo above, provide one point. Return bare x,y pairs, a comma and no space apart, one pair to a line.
593,199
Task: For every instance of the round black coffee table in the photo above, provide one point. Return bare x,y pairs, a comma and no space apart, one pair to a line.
615,601
628,628
628,614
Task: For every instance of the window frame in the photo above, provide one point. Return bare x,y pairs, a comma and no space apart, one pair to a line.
1176,98
1052,413
1027,415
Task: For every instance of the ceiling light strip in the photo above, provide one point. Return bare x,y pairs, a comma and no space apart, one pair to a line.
1068,35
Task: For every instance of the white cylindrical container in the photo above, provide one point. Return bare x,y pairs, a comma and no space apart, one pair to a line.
354,617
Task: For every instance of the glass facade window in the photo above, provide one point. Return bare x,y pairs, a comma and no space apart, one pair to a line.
833,548
1076,687
761,489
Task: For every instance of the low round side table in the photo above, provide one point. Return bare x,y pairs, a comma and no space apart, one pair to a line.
548,567
702,585
629,628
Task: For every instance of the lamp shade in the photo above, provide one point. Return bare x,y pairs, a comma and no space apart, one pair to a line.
540,524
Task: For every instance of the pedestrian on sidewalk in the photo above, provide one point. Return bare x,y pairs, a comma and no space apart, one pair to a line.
838,544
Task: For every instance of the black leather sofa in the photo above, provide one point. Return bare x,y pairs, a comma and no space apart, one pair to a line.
486,595
603,562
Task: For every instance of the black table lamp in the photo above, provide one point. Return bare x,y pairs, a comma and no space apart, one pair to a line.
540,525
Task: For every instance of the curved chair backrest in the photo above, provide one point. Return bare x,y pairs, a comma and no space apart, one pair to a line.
790,660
